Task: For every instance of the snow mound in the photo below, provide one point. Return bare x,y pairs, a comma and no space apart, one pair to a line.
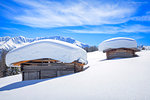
117,79
119,42
54,49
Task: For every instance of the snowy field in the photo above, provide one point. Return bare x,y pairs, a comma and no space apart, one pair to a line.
117,79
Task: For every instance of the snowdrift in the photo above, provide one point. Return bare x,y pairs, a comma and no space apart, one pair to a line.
119,79
54,49
120,42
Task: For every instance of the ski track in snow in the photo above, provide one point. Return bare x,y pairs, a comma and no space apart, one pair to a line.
116,79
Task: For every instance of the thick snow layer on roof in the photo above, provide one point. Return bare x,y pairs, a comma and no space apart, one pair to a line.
119,79
120,42
54,49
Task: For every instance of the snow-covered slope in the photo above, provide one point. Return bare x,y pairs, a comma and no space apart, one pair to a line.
54,49
116,79
9,43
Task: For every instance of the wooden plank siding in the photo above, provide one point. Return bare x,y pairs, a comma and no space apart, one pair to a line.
35,70
120,53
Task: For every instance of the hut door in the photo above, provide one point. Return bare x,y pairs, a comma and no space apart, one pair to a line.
31,76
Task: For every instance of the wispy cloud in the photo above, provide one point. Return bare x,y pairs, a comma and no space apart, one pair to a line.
46,14
137,28
137,37
145,17
12,29
142,18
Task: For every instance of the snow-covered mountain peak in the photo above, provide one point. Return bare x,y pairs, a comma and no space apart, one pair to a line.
9,43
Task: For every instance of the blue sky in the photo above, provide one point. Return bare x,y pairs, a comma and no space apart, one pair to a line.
89,21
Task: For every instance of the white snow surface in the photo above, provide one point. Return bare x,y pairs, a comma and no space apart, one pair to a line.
116,79
119,42
54,49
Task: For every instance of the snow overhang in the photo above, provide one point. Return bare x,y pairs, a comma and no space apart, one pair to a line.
54,49
116,43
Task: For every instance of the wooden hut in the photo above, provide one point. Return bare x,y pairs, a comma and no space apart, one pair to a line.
54,59
47,68
119,48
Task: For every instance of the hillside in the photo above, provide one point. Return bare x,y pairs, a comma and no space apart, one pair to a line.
9,43
117,79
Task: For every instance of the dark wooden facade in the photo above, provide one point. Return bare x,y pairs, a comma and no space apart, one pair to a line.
120,53
48,69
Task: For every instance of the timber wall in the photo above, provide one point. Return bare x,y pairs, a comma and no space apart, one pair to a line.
120,53
51,70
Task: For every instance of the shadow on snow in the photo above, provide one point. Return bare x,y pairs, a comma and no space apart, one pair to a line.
119,58
21,84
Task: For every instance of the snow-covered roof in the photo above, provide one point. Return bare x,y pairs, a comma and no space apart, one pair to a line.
54,49
119,42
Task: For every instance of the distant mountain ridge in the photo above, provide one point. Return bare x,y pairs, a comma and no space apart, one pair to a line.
9,43
146,47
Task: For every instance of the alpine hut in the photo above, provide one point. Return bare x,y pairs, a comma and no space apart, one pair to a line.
119,47
47,59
